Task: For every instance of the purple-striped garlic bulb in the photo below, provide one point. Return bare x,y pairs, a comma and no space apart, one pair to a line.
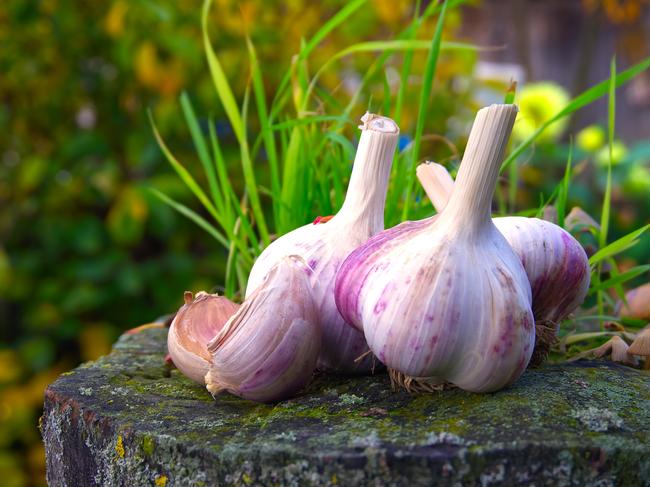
325,245
555,263
447,298
195,324
268,350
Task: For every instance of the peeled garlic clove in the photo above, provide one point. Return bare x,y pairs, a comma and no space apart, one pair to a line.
325,245
196,323
447,297
268,350
556,264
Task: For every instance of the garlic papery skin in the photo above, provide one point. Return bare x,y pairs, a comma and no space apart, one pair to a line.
556,264
268,350
447,298
196,323
325,245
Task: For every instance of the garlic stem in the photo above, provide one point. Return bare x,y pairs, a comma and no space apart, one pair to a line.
471,200
437,183
364,201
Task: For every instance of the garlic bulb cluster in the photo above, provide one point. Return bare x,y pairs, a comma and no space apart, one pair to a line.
555,263
447,298
194,325
268,350
324,245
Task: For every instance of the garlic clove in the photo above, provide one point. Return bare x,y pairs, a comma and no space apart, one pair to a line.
447,297
268,350
195,324
325,245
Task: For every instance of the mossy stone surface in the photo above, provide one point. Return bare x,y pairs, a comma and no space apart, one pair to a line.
128,420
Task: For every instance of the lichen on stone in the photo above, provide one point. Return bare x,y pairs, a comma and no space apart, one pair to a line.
119,446
596,419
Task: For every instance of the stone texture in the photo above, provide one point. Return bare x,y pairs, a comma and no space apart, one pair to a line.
127,419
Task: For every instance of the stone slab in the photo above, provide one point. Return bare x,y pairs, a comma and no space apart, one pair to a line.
128,420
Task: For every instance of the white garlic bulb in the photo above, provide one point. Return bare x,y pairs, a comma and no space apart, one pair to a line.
195,324
268,350
325,245
447,298
556,264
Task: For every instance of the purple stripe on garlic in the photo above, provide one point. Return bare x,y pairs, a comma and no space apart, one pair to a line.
324,246
447,297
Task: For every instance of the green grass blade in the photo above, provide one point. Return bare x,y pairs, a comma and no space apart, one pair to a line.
387,48
265,125
619,245
560,202
320,35
184,174
230,106
387,96
231,277
513,173
429,72
292,182
244,222
222,172
406,64
338,18
621,278
202,150
585,98
607,199
219,78
195,217
611,121
249,177
341,160
294,122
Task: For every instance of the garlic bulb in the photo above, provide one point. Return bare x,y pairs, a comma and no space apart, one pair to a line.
268,350
325,245
447,298
556,264
195,324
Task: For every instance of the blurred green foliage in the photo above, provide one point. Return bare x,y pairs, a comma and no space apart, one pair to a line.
86,251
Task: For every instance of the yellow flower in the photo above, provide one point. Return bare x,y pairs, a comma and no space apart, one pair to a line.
591,138
146,64
619,152
538,102
114,20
